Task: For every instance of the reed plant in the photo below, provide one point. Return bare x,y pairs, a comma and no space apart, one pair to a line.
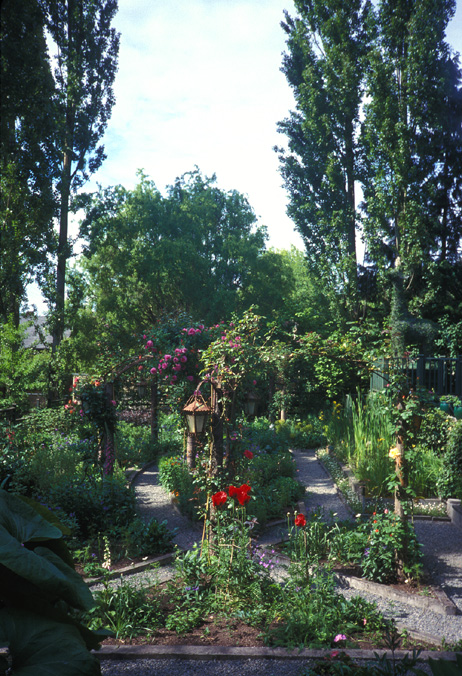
371,435
362,434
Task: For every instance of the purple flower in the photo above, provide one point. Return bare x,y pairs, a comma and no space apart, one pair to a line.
340,637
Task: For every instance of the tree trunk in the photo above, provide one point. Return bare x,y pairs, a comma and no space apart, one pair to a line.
58,329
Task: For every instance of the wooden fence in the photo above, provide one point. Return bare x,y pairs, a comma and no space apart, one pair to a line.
442,375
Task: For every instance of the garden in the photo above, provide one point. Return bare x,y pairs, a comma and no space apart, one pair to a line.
69,511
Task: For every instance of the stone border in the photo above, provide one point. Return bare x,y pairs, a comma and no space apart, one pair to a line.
441,604
162,560
126,652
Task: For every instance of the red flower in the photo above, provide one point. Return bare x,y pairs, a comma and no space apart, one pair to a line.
248,454
243,497
241,493
232,490
300,520
219,498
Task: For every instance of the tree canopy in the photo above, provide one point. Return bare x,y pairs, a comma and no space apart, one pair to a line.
193,249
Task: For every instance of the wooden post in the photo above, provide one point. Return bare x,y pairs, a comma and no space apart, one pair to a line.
217,429
154,411
191,451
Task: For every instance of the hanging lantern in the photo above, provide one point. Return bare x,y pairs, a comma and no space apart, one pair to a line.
196,412
141,388
250,404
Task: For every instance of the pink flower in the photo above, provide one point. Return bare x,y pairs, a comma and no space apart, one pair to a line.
164,366
190,378
197,331
183,359
144,337
173,379
191,332
153,370
385,511
254,382
339,637
149,343
114,403
334,653
167,356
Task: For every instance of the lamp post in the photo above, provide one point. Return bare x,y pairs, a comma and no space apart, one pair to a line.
196,412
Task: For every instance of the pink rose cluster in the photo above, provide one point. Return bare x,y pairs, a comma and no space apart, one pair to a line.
170,366
192,331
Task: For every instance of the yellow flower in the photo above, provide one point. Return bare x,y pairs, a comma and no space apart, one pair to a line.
394,453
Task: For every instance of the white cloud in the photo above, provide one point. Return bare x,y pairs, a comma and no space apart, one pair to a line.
199,83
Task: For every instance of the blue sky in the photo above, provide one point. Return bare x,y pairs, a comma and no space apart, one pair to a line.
199,83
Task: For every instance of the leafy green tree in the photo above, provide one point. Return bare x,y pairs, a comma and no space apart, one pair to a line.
26,154
22,370
86,62
147,254
325,64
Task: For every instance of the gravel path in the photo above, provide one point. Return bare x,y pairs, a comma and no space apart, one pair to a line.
442,547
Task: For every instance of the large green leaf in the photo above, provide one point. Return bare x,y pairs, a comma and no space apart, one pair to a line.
41,647
444,668
47,514
46,570
23,522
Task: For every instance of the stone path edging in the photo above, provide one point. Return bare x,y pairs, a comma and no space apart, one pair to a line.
126,652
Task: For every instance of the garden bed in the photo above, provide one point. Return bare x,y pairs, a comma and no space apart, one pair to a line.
228,633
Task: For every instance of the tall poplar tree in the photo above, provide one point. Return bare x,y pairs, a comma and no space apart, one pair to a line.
325,65
405,118
404,123
86,48
26,154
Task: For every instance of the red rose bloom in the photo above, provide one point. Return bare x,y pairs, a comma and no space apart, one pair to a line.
248,454
232,490
219,498
300,520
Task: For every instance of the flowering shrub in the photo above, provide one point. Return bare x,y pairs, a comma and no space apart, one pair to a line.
389,541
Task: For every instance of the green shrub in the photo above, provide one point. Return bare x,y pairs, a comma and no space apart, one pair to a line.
134,446
450,481
173,473
127,610
147,539
434,431
96,505
285,492
301,433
